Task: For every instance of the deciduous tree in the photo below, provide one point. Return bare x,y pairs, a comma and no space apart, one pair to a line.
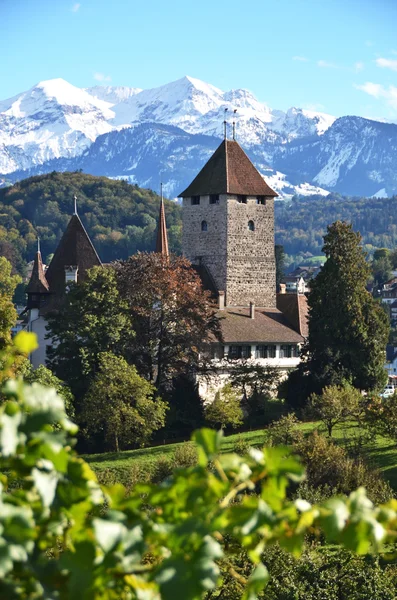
121,405
170,313
93,319
225,410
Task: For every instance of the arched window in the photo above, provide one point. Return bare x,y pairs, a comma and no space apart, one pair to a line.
251,225
204,226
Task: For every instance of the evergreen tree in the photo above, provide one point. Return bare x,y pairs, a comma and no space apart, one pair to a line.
348,330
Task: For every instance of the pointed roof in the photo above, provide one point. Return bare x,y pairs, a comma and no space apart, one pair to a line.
75,248
228,171
162,238
38,283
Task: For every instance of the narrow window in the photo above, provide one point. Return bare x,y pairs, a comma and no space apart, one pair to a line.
261,200
214,199
251,225
195,200
204,226
242,199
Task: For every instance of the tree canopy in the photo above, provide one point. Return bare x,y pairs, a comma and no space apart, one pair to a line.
121,405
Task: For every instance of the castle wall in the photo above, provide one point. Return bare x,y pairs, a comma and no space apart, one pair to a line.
241,261
208,247
251,266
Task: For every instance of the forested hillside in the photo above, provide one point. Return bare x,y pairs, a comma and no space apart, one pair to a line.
301,224
120,218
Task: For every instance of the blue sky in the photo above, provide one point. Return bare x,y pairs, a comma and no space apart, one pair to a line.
335,56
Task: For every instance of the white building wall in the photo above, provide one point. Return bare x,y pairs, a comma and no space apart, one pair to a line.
38,326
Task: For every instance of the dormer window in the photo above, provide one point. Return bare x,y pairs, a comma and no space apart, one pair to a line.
251,226
195,200
242,199
204,226
214,199
261,200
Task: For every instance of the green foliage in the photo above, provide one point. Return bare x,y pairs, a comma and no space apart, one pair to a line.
336,404
225,410
121,405
329,470
321,573
302,223
120,218
381,270
46,378
93,319
285,431
62,536
8,315
348,330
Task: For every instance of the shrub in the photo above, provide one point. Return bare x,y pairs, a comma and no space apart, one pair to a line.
185,455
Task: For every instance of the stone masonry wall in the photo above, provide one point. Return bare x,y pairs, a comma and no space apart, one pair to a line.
241,261
251,265
210,245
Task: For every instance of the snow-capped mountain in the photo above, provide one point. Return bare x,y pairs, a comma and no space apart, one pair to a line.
53,119
170,131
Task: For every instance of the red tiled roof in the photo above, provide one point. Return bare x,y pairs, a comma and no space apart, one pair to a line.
295,309
228,171
269,325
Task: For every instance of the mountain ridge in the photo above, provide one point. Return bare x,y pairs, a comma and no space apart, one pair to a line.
57,125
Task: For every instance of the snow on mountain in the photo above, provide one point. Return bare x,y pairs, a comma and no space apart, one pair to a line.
122,131
53,119
112,94
355,156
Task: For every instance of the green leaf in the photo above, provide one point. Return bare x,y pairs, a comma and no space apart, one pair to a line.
256,582
108,533
46,484
333,517
9,437
208,444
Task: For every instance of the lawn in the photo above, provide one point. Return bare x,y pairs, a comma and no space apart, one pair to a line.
381,453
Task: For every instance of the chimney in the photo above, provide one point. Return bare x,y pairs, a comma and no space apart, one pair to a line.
221,300
252,310
283,288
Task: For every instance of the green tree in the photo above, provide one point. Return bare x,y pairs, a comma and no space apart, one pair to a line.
280,263
46,378
381,270
225,410
336,404
8,315
348,330
121,405
93,319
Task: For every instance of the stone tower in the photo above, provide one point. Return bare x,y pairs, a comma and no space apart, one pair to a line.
228,227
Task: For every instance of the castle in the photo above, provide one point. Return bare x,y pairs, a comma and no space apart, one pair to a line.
228,236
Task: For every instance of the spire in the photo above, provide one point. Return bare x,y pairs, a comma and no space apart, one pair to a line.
162,239
38,283
75,205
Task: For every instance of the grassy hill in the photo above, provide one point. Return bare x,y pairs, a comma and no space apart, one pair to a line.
120,218
131,466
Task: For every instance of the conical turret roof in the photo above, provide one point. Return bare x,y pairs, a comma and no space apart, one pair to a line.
75,248
38,283
229,171
162,238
